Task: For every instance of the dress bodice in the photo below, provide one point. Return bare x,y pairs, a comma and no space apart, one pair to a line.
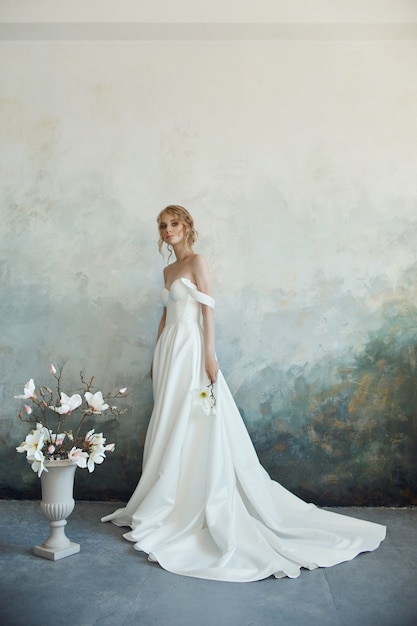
183,302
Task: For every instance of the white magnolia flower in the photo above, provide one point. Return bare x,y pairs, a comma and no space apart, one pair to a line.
46,433
28,391
96,456
94,439
77,455
96,402
33,443
98,448
38,465
68,404
28,409
202,400
33,446
52,369
123,390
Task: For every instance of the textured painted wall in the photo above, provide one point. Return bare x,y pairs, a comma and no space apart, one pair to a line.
298,161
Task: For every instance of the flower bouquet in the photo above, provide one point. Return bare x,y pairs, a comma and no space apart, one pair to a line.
52,439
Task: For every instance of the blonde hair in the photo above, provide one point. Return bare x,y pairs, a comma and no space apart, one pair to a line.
185,218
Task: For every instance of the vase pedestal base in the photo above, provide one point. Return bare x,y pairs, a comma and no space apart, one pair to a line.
54,554
57,504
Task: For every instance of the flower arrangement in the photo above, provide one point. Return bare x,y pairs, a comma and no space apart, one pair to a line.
205,399
47,443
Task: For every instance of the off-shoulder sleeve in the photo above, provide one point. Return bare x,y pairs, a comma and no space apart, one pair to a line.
201,297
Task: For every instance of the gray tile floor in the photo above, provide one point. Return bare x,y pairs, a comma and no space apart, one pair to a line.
110,584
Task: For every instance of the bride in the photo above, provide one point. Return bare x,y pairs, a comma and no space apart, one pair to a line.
204,506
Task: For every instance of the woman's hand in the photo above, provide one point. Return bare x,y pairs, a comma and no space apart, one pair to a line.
212,368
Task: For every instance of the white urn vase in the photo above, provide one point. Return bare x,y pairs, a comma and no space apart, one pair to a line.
57,504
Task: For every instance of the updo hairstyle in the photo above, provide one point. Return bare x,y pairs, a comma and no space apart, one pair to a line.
185,218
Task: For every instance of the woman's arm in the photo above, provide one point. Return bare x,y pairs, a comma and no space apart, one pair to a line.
162,323
203,282
211,364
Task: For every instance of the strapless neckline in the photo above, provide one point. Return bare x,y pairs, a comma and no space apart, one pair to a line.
182,278
179,289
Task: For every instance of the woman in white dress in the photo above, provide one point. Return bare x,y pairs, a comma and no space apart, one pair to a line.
204,506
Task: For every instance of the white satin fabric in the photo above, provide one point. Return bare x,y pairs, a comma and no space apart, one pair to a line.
204,505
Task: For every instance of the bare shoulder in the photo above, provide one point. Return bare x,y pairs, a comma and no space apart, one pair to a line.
199,264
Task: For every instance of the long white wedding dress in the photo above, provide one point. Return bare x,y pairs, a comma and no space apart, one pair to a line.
204,505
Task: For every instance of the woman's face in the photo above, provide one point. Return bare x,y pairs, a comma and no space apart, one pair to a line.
171,229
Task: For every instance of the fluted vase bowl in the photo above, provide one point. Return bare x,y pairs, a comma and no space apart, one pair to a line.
57,504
